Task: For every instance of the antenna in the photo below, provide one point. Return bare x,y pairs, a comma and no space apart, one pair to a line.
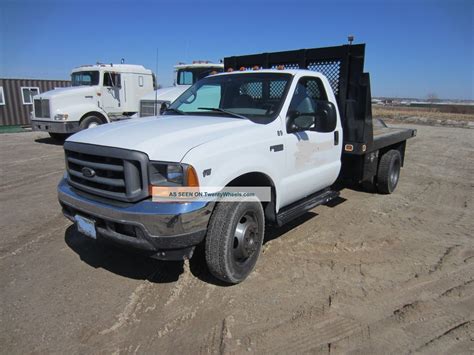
155,105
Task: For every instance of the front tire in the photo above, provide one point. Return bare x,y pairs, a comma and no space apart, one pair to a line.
90,122
388,172
234,239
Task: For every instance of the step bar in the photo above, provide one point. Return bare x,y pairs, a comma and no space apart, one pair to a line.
299,208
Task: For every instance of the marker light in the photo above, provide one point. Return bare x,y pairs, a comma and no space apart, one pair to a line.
230,70
242,69
191,179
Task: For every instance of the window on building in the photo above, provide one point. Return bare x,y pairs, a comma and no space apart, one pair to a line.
27,94
2,96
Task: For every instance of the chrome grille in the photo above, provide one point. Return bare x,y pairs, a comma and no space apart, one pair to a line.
108,172
41,108
149,108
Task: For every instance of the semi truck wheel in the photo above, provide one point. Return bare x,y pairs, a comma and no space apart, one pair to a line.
234,239
388,172
61,137
90,122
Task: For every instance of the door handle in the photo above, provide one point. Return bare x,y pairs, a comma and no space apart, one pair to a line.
336,137
276,148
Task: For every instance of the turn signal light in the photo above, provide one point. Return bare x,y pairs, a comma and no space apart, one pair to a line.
192,178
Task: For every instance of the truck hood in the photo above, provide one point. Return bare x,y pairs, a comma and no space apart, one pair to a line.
167,94
69,91
167,138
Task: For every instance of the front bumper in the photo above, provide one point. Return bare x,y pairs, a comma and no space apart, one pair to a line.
55,126
167,231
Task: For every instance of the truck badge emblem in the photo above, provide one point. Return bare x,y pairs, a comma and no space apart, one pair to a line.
88,172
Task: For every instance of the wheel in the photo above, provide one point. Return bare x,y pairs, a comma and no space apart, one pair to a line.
90,122
58,136
388,172
234,239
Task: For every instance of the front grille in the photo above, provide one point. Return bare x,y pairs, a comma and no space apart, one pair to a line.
114,173
41,108
151,108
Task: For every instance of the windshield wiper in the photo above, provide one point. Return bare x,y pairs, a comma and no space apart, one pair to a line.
175,110
223,111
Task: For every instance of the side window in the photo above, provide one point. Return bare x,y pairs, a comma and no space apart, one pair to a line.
308,105
185,77
27,94
2,96
140,80
111,79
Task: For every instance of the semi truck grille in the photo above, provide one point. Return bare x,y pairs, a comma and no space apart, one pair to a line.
114,173
41,108
151,108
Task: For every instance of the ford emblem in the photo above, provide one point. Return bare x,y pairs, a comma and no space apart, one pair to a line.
88,172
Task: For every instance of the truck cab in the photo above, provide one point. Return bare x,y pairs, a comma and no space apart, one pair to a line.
185,76
98,94
291,123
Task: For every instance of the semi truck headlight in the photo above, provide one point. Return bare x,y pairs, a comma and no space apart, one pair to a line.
172,174
61,117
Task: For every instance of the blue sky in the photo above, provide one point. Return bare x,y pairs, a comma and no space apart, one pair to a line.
413,47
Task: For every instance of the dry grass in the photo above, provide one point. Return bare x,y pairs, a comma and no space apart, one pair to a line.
402,113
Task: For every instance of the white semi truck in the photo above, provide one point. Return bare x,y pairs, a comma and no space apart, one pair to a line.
291,122
99,94
185,76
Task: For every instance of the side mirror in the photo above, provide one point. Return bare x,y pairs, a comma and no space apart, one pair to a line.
298,121
326,117
164,107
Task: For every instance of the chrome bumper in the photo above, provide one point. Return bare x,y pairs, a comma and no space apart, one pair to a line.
55,126
169,230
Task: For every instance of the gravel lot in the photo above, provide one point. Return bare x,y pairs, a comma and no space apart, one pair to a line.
372,274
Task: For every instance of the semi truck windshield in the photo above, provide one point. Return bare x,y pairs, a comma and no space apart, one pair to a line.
88,78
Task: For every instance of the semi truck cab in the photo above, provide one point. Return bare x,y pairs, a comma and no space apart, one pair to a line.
185,76
98,94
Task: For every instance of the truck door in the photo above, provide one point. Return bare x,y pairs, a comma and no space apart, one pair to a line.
111,92
313,152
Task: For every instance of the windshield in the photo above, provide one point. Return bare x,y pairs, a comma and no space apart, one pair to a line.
85,78
258,96
189,76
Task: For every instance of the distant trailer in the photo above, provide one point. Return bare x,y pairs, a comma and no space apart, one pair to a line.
16,98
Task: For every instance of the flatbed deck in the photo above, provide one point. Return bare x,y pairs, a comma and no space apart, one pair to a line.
386,136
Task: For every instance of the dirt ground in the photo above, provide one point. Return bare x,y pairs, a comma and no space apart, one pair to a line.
378,274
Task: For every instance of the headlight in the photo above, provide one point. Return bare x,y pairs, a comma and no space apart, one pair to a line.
172,174
61,116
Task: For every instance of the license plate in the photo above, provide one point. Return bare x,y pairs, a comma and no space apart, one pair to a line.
86,226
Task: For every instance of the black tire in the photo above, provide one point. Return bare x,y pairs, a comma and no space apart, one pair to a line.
61,137
234,239
90,121
388,172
